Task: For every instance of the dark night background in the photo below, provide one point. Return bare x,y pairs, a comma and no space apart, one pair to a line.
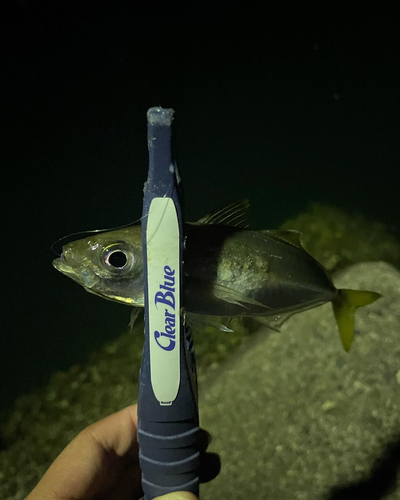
285,106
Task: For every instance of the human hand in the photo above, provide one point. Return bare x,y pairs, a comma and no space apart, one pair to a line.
101,462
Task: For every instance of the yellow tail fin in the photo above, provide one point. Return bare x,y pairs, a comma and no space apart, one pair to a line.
344,307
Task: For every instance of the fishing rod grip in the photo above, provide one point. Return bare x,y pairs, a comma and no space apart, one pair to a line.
168,421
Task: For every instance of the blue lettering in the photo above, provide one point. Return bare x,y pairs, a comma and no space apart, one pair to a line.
170,322
168,271
170,330
167,298
171,344
166,340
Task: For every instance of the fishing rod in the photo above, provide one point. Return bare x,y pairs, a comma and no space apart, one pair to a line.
168,421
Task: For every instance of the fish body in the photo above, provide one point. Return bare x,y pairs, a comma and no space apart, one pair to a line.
230,271
260,269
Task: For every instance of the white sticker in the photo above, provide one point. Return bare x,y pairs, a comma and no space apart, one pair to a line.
163,267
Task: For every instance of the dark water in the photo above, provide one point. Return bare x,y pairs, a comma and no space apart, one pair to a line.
285,109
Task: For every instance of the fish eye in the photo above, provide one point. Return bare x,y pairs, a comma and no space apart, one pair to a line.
118,257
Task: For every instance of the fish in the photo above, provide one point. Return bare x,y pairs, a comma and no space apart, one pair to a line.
230,271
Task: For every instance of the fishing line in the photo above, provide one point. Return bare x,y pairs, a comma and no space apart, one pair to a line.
167,195
63,240
100,41
95,36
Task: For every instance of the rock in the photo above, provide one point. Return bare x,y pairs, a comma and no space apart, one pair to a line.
293,416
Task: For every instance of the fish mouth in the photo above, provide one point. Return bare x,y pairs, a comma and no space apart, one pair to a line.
84,276
64,268
113,298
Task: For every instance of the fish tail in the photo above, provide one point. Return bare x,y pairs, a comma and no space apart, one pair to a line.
344,306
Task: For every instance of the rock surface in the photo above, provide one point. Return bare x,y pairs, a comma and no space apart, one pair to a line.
293,416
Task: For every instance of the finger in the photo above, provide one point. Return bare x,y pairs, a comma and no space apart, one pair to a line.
210,466
117,432
126,487
178,495
204,440
93,460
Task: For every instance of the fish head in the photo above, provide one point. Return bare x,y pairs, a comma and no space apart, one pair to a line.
108,264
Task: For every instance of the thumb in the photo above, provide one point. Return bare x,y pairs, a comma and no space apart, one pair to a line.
178,495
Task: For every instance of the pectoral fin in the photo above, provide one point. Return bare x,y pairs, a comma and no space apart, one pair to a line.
134,316
344,306
211,299
235,297
200,322
274,322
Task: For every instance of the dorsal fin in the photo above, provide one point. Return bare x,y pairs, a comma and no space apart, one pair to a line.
289,235
236,215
